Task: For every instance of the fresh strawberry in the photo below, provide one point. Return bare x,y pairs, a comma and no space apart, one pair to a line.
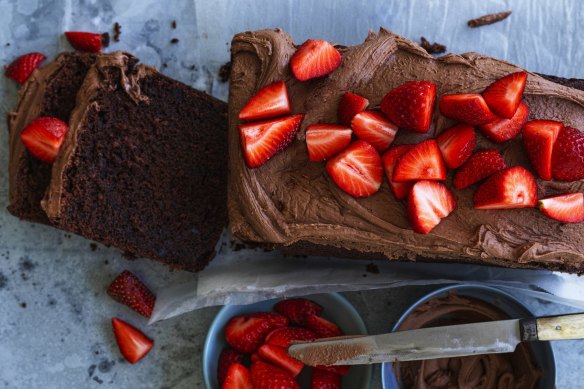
325,140
238,377
133,344
502,130
539,137
127,289
43,137
282,337
246,333
468,108
568,155
260,141
322,379
297,309
410,106
479,166
322,327
567,208
504,95
255,358
337,369
22,67
374,128
357,170
389,159
266,376
421,162
314,58
428,203
514,187
456,144
227,358
269,102
85,41
349,106
278,356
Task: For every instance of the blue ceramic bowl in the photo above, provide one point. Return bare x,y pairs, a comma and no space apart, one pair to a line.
541,351
336,309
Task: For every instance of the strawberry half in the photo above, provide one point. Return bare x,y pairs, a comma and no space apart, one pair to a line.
269,102
479,166
567,208
428,203
325,140
322,379
502,130
421,162
297,309
245,333
238,377
322,327
568,155
127,289
266,376
227,358
349,106
514,187
85,41
314,58
337,369
456,144
374,128
282,337
539,137
43,137
411,105
278,356
133,344
389,159
469,108
22,67
260,141
504,95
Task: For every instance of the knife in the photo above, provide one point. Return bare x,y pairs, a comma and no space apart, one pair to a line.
438,342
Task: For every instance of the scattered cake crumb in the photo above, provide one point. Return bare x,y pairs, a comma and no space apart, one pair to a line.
129,256
173,24
225,72
165,65
22,305
372,268
432,48
7,44
105,39
174,41
93,246
117,31
488,19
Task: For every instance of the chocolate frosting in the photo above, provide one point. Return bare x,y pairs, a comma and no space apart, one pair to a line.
291,200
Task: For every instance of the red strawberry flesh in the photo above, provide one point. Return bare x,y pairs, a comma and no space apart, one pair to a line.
479,166
133,344
269,102
22,67
283,337
297,309
456,144
322,327
267,376
421,162
428,203
278,356
410,106
246,333
238,377
227,358
539,137
85,41
468,108
323,379
567,208
349,106
326,140
568,155
314,58
127,289
514,187
502,130
504,95
43,137
389,159
374,128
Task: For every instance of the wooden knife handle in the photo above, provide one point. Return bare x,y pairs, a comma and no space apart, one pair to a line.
560,327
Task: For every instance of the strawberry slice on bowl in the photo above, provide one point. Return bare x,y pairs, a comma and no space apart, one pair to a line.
314,58
269,102
278,356
349,106
238,377
133,344
267,376
469,108
43,137
479,166
326,140
323,379
513,187
410,106
283,337
456,144
127,289
322,327
566,208
568,155
389,160
374,128
504,95
428,203
502,130
297,309
227,358
539,137
337,369
421,162
22,67
85,41
246,333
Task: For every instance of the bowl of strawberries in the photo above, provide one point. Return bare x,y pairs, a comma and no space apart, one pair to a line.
246,346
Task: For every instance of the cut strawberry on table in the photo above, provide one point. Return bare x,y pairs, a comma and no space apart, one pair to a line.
297,309
357,170
539,137
410,106
502,130
374,128
479,166
246,333
428,203
326,140
261,140
43,137
504,95
266,376
282,337
227,358
349,106
469,108
238,377
514,187
269,102
421,162
340,369
133,344
127,289
567,208
389,159
568,155
22,67
314,58
278,356
322,379
85,41
456,144
322,327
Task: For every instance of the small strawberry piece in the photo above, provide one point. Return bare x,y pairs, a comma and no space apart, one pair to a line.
283,337
22,67
337,369
314,58
568,155
479,166
468,108
323,379
269,102
502,130
260,141
84,41
297,309
389,159
326,140
238,377
567,208
278,356
428,203
514,187
539,137
133,344
374,128
127,289
266,376
410,105
246,333
456,144
255,358
322,327
43,137
349,106
227,358
422,162
504,95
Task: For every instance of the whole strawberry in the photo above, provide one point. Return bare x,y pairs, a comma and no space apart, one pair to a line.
127,289
22,67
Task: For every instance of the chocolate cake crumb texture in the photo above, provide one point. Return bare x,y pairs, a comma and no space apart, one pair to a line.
432,48
224,72
488,19
117,31
173,24
174,41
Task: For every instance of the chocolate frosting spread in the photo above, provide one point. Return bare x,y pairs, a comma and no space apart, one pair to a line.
291,200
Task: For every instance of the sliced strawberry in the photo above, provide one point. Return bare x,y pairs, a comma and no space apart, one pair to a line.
502,130
322,327
422,162
22,67
260,141
567,208
340,369
255,358
238,377
85,41
43,137
389,159
282,337
322,379
504,95
357,170
269,102
479,166
539,137
428,203
456,144
568,155
514,187
133,344
278,356
314,58
227,358
468,108
374,128
297,309
127,289
410,106
349,106
245,333
266,376
325,140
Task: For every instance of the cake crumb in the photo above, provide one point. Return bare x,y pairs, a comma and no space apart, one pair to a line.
117,31
129,256
22,305
165,65
7,44
372,268
105,39
173,24
93,246
488,19
432,48
174,41
225,72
